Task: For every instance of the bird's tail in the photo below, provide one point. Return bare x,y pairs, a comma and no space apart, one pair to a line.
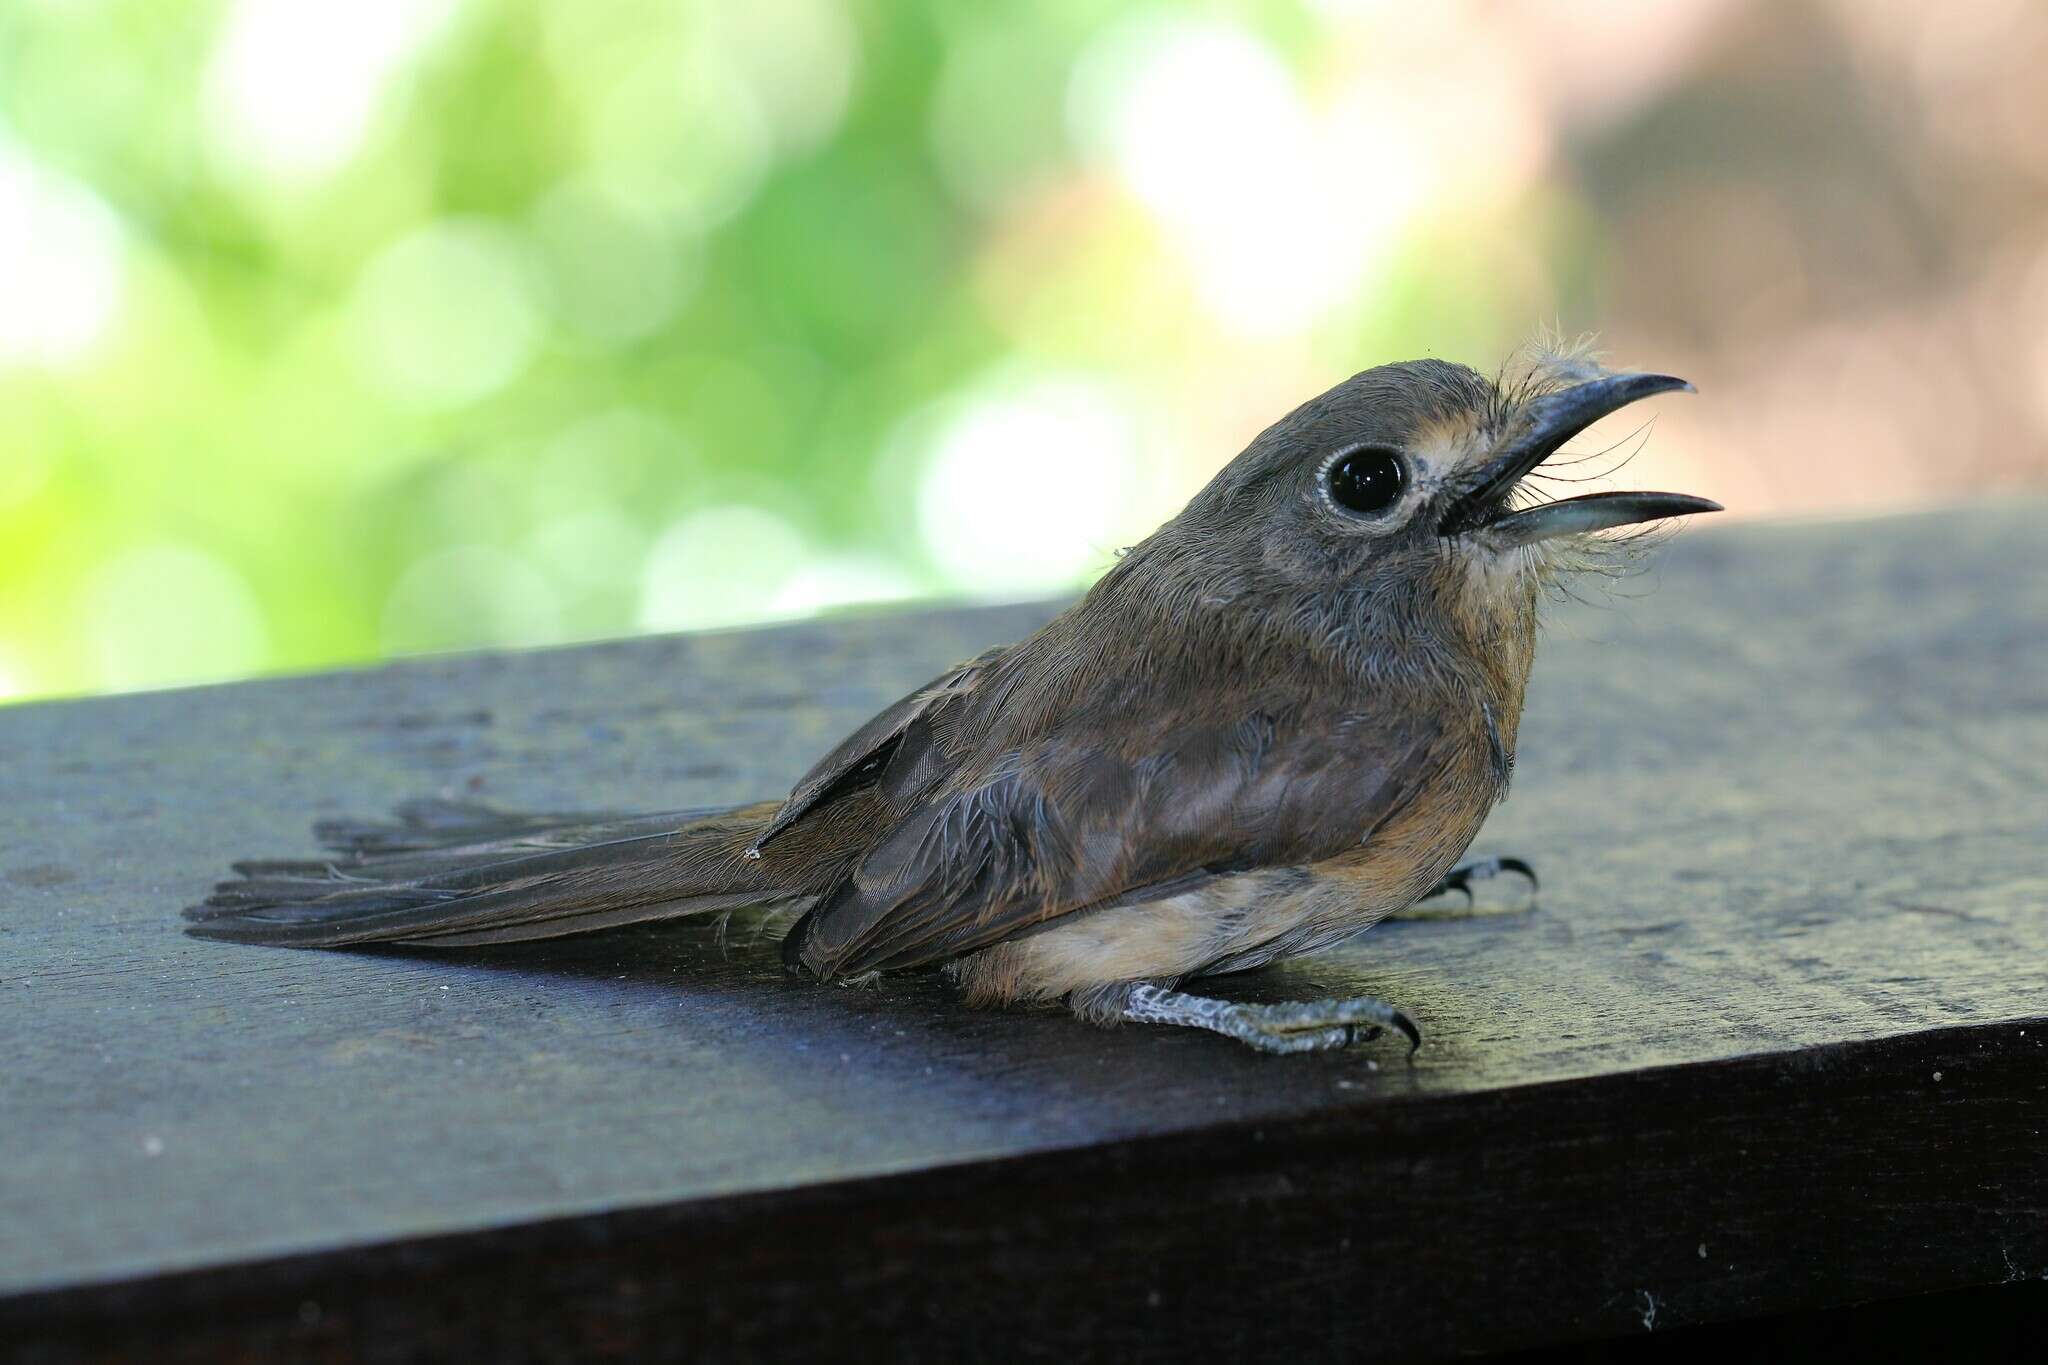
455,874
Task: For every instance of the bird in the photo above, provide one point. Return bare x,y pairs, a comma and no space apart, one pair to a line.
1274,722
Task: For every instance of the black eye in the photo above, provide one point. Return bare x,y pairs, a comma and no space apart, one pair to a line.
1366,480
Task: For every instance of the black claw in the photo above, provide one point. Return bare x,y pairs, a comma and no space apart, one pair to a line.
1407,1027
1517,865
1483,869
1455,880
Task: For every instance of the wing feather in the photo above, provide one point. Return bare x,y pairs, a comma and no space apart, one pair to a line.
1061,829
900,739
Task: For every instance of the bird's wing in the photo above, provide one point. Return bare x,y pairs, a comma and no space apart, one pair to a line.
1066,826
900,739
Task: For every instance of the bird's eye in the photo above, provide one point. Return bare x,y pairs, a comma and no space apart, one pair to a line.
1366,480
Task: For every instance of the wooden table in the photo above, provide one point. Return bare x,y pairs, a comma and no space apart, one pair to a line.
1776,1038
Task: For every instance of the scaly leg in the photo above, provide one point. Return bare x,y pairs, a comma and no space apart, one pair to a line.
1296,1026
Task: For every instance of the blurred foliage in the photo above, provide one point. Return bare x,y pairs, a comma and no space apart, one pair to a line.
330,332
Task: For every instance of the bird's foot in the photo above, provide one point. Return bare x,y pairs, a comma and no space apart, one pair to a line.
1460,879
1291,1026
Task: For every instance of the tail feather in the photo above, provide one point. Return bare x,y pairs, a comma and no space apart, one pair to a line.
459,875
437,823
491,844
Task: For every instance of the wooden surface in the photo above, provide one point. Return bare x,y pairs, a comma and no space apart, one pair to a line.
1777,1036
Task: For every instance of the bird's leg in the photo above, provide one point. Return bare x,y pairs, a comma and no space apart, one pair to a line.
1460,879
1294,1026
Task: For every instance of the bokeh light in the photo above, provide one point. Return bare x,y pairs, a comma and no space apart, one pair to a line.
445,315
333,332
290,88
60,265
1026,486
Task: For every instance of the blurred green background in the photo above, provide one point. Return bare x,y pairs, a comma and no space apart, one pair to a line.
335,331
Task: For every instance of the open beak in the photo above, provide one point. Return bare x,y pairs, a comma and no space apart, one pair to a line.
1546,425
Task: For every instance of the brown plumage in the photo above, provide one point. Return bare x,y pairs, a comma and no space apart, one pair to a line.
1280,718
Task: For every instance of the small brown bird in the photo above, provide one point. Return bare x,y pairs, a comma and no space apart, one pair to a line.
1279,719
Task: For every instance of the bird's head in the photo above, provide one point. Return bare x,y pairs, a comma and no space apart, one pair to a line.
1398,504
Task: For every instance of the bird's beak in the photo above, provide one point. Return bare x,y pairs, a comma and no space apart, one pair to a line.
1545,426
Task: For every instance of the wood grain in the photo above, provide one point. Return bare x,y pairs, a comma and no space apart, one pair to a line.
1785,999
